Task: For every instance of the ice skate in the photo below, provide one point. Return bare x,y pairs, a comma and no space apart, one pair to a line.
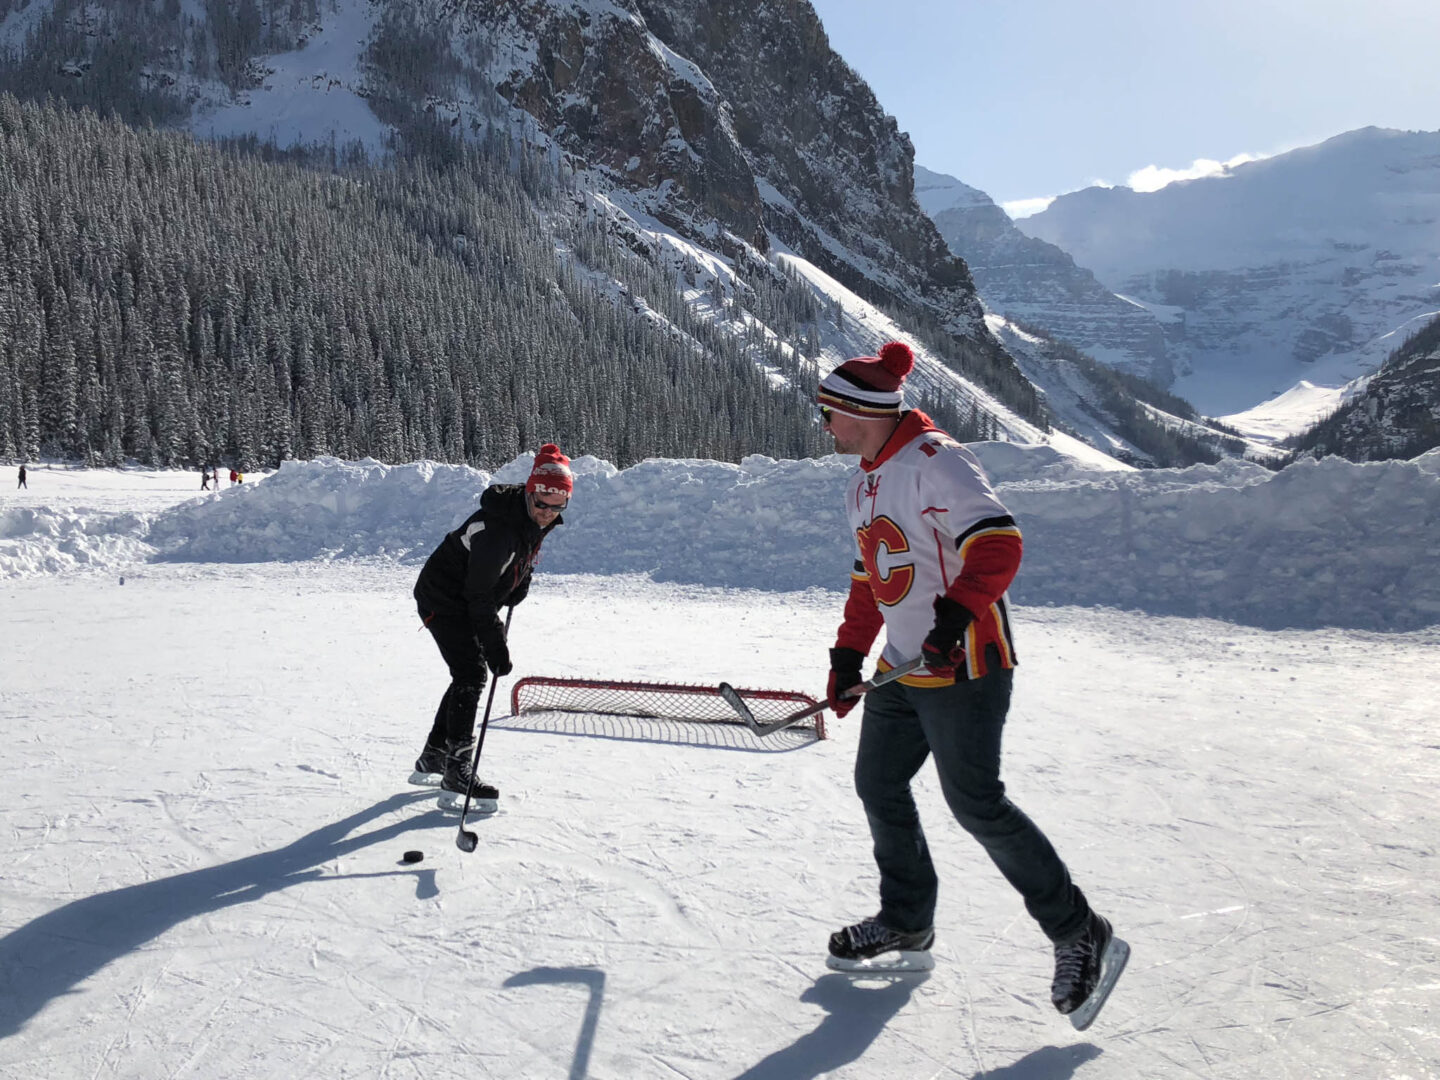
484,798
1086,971
870,946
429,766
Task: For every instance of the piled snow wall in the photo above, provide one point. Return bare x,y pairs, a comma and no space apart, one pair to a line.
1325,543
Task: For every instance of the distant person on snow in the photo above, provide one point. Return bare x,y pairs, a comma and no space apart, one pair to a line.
935,553
204,479
234,477
23,482
480,567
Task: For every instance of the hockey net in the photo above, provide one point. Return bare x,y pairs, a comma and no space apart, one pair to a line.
663,701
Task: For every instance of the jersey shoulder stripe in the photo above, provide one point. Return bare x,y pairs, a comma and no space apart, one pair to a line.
1003,524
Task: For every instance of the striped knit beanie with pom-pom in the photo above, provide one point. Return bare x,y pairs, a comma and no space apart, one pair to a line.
869,386
551,473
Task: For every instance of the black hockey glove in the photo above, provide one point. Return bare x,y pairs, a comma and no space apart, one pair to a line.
845,665
943,651
497,653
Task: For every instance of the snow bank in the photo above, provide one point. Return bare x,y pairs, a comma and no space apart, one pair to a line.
44,540
323,509
1319,544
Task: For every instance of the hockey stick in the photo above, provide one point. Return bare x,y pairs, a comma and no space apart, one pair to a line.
466,840
736,702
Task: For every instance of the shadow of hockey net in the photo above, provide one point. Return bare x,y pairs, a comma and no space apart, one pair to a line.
661,701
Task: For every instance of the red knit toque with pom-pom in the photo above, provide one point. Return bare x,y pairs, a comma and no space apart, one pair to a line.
551,474
869,386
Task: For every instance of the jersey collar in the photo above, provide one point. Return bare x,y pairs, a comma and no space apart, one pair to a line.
913,424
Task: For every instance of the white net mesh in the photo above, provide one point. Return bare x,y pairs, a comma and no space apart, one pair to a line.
666,701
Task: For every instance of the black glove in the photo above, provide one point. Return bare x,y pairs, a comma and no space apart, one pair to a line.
497,653
943,651
845,665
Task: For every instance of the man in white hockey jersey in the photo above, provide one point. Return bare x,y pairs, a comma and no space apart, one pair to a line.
935,553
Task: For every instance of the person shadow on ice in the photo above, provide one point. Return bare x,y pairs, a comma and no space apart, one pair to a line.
857,1011
855,1014
53,954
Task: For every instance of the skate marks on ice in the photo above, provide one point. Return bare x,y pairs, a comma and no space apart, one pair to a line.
53,954
1264,838
1263,822
593,980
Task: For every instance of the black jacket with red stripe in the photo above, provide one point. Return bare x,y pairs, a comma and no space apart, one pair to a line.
486,563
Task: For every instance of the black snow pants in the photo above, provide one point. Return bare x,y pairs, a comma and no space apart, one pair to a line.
455,637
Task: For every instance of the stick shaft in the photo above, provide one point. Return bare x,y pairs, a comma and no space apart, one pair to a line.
484,724
736,703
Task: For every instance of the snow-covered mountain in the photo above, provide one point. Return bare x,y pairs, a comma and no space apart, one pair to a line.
719,142
1311,265
1073,338
1124,415
724,143
1035,282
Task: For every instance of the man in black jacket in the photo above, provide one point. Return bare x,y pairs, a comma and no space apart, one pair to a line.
480,567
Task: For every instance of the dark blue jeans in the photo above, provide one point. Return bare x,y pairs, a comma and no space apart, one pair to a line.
961,726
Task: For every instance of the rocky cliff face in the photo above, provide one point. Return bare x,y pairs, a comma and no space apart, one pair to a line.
1396,414
736,122
836,174
1301,266
605,89
1038,284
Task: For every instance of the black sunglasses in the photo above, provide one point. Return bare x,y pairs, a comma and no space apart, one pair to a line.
553,508
825,414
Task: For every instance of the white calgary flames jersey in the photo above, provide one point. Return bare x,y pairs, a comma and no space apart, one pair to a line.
927,523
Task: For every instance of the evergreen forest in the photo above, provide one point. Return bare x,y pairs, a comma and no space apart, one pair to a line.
182,303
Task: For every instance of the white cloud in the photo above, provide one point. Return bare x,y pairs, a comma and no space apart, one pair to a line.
1150,178
1154,177
1022,208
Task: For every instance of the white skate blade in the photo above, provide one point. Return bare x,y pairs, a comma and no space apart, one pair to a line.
1117,954
899,962
425,779
454,803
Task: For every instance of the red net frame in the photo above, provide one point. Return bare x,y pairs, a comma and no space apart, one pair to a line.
666,701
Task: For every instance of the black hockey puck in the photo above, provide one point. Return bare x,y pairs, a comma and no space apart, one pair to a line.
412,856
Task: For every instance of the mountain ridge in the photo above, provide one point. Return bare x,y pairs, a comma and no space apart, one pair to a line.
718,141
1289,268
1032,280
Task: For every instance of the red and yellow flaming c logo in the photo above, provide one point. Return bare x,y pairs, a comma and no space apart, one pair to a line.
892,586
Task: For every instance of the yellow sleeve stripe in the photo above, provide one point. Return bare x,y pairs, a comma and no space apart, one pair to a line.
1010,530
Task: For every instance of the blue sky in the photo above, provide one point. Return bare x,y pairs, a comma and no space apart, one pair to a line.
1031,98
